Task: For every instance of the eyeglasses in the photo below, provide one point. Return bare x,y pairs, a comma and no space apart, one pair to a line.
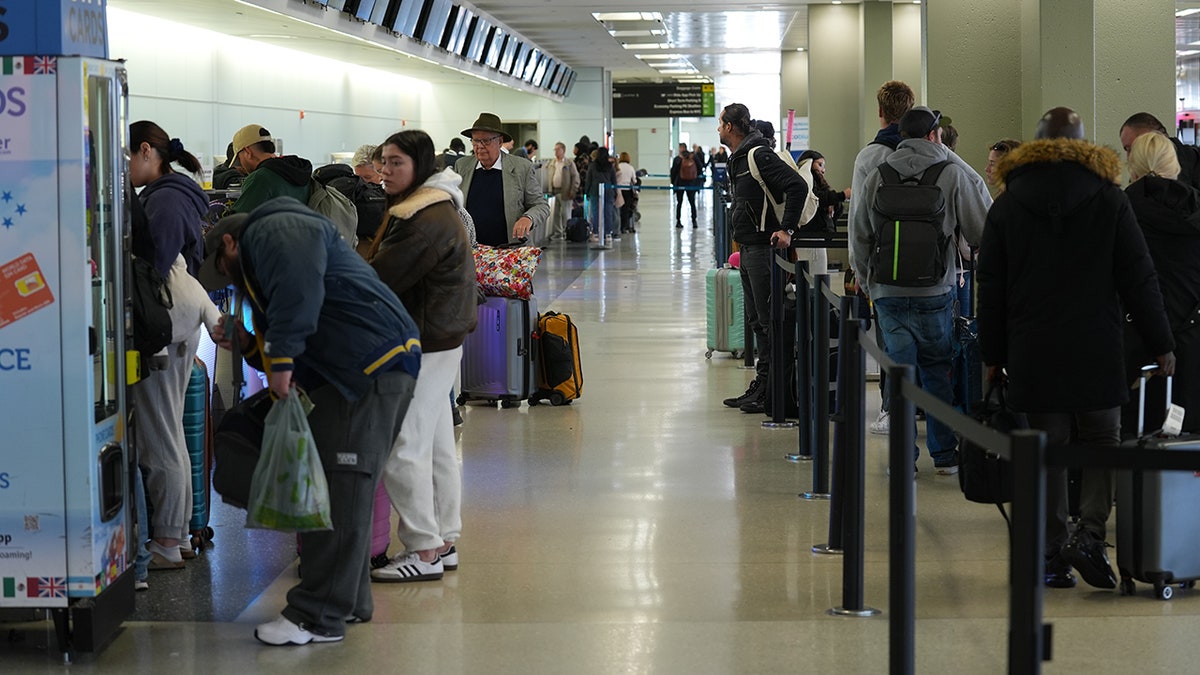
483,142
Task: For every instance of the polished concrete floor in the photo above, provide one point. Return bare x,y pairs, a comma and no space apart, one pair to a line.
644,529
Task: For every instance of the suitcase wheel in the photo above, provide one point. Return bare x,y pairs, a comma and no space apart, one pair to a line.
1163,592
534,400
1128,587
461,400
708,354
557,398
510,404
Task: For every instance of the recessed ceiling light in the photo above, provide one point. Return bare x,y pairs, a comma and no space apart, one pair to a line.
627,16
637,33
645,45
799,49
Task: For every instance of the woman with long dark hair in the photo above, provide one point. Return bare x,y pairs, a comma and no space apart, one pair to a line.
423,254
171,240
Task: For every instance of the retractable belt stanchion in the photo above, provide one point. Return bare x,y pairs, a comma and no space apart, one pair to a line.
847,393
804,451
777,373
902,506
854,518
1028,638
820,392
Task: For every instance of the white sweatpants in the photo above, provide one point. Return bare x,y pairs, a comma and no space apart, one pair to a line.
423,477
162,450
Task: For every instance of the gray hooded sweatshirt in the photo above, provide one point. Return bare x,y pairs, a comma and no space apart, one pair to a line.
967,203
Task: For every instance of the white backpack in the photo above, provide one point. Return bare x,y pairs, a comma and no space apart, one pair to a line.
818,258
811,201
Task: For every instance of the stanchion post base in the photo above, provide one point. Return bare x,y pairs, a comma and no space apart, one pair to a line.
823,549
780,425
815,495
797,457
864,612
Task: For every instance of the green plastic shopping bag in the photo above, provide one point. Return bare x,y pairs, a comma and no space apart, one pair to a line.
288,491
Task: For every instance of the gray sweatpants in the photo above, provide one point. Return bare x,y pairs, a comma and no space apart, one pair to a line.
162,451
354,439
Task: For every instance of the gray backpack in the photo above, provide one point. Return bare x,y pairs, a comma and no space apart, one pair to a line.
337,207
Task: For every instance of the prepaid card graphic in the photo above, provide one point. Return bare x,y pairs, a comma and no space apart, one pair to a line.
23,289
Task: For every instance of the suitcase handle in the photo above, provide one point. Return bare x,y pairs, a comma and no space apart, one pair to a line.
1149,371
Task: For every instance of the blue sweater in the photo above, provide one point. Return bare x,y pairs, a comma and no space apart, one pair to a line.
174,207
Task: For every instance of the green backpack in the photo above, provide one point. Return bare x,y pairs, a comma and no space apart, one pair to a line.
337,207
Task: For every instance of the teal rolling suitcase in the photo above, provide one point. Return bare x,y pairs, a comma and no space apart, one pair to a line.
725,313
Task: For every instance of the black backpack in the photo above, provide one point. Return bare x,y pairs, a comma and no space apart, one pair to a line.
151,307
370,201
910,249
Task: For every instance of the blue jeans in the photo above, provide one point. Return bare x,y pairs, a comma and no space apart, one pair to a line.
919,332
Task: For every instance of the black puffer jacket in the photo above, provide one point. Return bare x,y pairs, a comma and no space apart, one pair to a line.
1169,213
1061,253
748,195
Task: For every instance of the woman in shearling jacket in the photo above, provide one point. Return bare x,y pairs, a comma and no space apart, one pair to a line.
423,254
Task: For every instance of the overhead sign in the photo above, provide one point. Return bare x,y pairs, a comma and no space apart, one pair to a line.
664,100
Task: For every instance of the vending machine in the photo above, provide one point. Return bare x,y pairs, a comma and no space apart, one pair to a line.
66,521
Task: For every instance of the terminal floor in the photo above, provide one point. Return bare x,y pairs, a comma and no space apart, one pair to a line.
644,529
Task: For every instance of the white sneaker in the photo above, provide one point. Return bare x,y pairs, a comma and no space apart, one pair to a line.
880,425
282,631
409,567
450,559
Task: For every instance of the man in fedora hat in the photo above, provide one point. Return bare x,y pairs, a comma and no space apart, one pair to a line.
503,195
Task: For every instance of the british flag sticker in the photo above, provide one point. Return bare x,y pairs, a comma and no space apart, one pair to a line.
46,587
45,65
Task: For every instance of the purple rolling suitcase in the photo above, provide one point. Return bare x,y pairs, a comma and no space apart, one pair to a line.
498,357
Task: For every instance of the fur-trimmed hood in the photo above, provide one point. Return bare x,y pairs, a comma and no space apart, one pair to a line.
1098,159
1053,177
423,197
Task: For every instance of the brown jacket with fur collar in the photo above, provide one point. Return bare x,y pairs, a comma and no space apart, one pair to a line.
424,257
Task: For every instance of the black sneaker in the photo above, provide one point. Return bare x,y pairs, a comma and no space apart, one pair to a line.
1085,552
750,393
755,406
1058,573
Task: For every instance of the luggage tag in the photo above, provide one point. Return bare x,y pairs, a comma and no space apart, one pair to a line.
1173,425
